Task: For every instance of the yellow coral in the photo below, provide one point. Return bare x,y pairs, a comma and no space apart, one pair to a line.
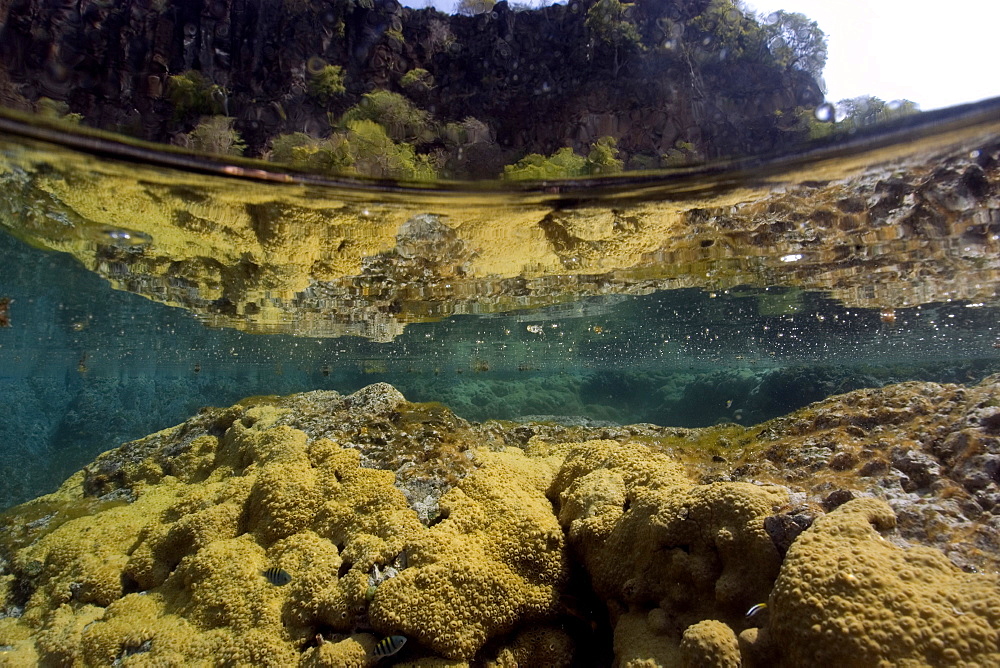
353,652
710,644
136,624
174,576
284,500
314,594
263,495
639,645
847,597
540,646
82,560
495,560
648,535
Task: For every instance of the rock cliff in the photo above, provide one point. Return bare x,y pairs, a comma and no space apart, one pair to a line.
540,79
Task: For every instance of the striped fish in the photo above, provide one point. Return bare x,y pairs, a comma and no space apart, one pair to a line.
389,645
279,577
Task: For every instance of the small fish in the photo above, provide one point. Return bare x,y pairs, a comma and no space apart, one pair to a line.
389,645
5,303
755,609
729,403
279,577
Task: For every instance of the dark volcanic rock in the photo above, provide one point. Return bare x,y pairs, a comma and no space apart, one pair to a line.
538,78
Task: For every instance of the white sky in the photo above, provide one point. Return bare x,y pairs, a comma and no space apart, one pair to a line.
936,54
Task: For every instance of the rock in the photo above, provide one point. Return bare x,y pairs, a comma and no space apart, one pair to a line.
836,499
535,76
784,529
921,469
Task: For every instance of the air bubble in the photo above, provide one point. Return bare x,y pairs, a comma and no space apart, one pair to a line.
824,113
315,65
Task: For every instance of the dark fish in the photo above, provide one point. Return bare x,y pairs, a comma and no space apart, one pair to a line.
279,577
389,646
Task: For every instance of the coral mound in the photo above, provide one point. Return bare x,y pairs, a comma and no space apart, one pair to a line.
502,544
848,597
175,575
655,543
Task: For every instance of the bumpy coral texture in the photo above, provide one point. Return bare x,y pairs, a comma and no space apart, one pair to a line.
847,597
209,517
663,552
640,644
496,559
539,646
647,535
710,643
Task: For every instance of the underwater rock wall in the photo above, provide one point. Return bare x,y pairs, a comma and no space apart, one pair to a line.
306,529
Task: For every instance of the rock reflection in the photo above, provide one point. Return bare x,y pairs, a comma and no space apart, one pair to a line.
912,220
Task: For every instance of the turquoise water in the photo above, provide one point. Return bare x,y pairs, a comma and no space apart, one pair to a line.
754,302
84,367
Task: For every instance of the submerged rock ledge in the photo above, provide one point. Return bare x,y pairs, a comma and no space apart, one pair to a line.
865,522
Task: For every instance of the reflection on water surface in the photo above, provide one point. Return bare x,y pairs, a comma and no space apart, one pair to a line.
734,294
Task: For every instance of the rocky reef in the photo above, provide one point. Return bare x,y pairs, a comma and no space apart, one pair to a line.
304,529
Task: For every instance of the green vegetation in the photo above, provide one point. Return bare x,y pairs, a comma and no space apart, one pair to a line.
793,40
603,157
565,163
849,115
192,93
730,30
331,155
869,110
363,148
403,121
56,110
376,137
396,36
326,84
796,41
376,154
610,22
417,81
683,153
215,134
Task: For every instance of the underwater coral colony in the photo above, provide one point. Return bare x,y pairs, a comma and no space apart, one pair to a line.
313,530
